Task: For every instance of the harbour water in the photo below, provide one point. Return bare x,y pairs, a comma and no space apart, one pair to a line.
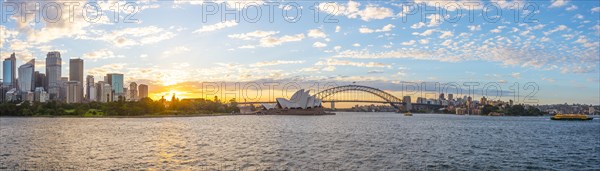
355,141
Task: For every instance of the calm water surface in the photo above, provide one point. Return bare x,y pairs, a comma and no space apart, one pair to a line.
355,141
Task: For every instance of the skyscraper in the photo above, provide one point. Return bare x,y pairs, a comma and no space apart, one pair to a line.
9,67
53,74
39,79
143,91
26,77
73,95
76,70
133,92
90,89
116,82
76,74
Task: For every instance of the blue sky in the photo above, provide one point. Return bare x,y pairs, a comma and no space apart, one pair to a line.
552,43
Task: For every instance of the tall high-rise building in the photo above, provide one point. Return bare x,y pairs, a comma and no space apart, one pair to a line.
143,91
26,77
133,92
9,71
116,81
450,97
90,89
39,79
73,95
76,70
99,91
107,94
53,74
76,74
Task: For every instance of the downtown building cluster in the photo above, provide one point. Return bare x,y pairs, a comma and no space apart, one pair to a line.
25,84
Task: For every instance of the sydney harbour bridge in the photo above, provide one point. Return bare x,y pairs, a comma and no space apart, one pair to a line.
360,94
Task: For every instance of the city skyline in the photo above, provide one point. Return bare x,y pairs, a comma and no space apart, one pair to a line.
370,43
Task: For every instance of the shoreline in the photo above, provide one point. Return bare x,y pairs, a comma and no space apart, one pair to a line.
229,114
141,116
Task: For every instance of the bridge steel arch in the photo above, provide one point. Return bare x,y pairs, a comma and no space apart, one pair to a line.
391,99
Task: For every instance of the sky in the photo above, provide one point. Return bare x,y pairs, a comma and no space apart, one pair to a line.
174,46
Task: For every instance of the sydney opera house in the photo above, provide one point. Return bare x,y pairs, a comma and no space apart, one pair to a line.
301,103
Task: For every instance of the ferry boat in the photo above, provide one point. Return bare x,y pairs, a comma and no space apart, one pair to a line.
579,117
407,114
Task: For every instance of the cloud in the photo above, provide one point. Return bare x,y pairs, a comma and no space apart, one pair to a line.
318,69
548,79
247,47
217,26
319,45
595,9
516,75
175,51
418,25
446,34
336,62
316,33
133,36
474,27
426,32
338,28
365,30
105,69
409,43
101,54
352,10
276,41
375,72
571,8
434,20
356,44
273,63
253,35
557,28
558,3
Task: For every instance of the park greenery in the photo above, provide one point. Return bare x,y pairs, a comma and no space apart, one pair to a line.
142,107
514,110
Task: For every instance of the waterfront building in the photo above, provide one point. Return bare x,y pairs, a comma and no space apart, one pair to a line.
39,79
90,89
450,97
300,100
53,74
143,91
40,95
442,97
72,91
62,89
133,92
99,91
26,76
9,67
12,95
27,96
107,94
76,74
116,81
